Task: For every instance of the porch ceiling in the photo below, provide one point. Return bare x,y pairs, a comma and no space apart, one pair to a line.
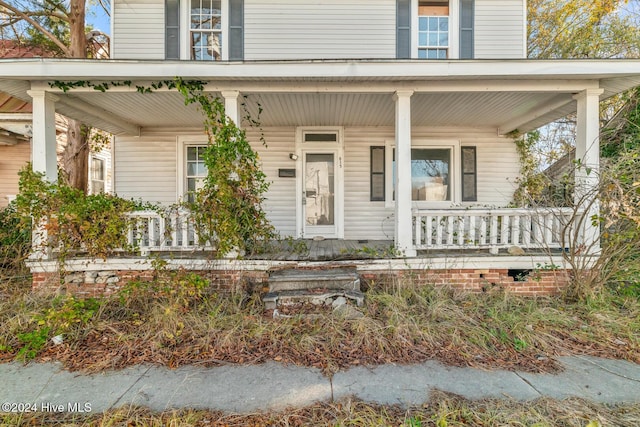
500,95
468,109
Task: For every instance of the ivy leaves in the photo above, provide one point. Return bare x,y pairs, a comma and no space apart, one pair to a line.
228,209
227,212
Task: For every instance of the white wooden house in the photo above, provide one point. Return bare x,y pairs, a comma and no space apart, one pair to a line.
384,119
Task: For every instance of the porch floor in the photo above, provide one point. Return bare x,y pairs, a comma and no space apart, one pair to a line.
328,250
339,250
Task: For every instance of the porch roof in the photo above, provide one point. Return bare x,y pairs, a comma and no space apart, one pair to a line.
491,94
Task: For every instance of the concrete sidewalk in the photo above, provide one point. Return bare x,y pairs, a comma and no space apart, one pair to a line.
272,386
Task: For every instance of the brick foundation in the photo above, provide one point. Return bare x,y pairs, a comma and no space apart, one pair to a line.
532,282
109,282
522,282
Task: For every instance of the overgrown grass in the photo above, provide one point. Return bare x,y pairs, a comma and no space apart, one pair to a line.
178,320
442,410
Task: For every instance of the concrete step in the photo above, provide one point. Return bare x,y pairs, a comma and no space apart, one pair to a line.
319,297
344,279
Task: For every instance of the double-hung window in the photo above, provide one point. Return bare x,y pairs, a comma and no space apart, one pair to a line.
195,170
433,30
97,175
205,31
436,29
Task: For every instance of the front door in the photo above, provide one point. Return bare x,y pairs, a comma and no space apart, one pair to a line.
319,201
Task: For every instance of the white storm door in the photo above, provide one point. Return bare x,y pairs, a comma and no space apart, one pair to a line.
320,203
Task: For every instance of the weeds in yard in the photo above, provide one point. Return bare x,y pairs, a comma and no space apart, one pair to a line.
443,410
180,319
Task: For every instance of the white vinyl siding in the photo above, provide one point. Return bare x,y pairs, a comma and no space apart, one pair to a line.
138,29
323,29
12,159
281,197
146,168
499,29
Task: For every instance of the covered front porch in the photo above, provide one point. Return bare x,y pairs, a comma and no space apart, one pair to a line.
445,98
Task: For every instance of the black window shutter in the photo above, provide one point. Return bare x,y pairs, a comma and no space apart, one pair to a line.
466,29
236,30
403,29
172,29
469,175
377,164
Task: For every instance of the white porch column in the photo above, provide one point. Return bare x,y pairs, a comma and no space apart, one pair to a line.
403,217
232,106
44,134
44,159
588,156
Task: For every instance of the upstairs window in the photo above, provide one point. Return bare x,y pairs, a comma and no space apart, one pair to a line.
205,33
433,30
204,30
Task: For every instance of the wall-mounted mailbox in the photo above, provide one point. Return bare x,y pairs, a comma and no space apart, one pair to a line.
287,173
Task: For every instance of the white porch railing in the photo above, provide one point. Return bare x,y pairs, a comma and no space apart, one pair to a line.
492,228
167,231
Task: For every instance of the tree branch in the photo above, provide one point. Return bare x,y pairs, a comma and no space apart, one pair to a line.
37,26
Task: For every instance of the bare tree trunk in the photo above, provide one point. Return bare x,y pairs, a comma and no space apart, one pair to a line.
76,154
75,159
77,38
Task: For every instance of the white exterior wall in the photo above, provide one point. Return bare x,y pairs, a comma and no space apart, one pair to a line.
12,159
321,29
146,168
281,198
138,29
500,30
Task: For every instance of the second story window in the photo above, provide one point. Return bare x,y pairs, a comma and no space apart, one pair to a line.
206,30
433,30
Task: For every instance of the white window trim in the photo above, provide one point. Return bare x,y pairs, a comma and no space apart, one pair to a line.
302,146
181,155
454,174
454,29
185,32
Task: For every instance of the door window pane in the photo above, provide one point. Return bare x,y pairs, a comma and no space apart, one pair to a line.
319,189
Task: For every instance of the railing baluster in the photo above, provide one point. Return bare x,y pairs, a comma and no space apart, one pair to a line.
174,229
494,231
460,220
428,231
515,230
439,231
449,230
547,230
184,229
526,231
418,230
504,230
151,221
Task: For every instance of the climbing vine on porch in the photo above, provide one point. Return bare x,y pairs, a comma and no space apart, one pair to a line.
227,211
531,183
